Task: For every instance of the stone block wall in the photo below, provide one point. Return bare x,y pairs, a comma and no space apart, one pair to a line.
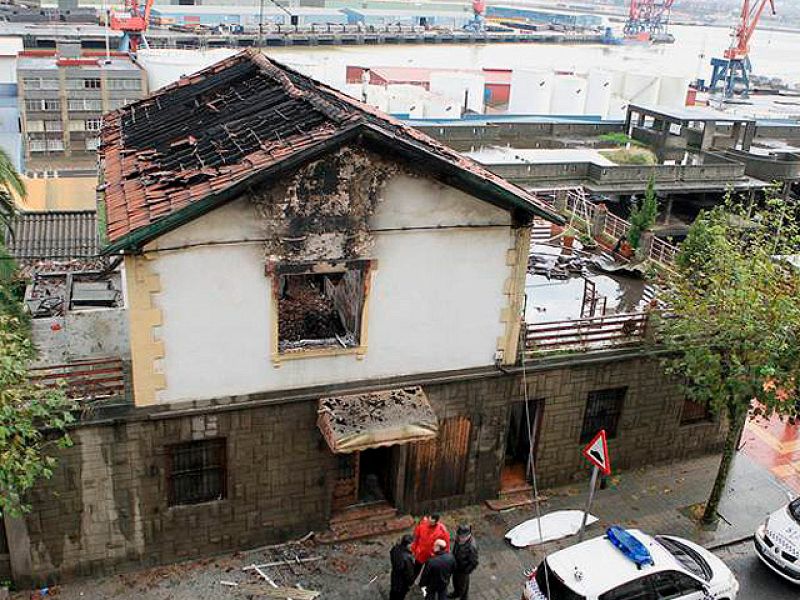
649,428
106,506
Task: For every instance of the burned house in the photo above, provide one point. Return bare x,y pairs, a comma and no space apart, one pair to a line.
324,313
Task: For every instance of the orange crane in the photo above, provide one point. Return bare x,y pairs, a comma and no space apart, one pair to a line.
132,23
732,72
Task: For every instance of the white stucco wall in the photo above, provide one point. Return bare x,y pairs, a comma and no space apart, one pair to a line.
435,303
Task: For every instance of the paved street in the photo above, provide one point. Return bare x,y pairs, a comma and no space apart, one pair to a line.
757,581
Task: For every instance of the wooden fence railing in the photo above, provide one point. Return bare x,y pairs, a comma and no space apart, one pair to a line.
596,333
85,380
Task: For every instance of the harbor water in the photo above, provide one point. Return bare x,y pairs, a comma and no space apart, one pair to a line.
773,54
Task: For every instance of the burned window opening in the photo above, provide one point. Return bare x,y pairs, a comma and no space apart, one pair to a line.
320,310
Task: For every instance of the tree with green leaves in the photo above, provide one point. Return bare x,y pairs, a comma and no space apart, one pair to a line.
732,330
12,188
643,214
33,418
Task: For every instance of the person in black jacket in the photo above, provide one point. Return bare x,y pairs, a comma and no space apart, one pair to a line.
465,552
402,568
437,572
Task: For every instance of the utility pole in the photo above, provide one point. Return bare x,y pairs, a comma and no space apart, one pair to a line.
261,24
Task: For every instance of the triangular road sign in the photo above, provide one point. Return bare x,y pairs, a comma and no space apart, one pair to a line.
596,452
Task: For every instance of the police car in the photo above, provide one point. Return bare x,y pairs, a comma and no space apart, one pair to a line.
626,564
778,542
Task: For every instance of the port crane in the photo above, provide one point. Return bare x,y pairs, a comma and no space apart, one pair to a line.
732,72
132,23
648,16
478,22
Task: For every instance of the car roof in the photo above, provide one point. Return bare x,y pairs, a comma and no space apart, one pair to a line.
602,566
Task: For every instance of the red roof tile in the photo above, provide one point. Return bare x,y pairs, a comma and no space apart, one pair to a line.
208,133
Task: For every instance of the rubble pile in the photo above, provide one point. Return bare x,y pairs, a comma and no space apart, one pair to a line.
306,313
561,266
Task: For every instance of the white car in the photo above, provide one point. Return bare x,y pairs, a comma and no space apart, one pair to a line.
778,541
641,567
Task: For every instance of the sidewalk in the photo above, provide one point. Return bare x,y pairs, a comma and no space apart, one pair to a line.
656,500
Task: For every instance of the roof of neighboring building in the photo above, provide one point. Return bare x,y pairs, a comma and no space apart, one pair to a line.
55,234
115,63
690,113
202,141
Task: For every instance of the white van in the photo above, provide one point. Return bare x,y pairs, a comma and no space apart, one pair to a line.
626,564
778,541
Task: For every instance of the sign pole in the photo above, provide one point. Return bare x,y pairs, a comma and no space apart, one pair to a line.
592,486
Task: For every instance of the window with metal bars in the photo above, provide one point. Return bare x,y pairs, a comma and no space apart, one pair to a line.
695,412
196,471
603,409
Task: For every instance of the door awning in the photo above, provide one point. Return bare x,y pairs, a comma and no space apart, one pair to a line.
375,419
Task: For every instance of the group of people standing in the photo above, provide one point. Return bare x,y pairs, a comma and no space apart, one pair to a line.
427,556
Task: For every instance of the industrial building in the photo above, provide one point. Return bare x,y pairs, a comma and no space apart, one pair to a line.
567,20
246,16
419,17
63,95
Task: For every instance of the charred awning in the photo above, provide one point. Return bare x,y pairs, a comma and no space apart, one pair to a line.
373,419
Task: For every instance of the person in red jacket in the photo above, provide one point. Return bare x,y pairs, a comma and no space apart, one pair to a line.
427,531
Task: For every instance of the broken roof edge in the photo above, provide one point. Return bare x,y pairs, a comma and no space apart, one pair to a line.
448,173
511,198
136,239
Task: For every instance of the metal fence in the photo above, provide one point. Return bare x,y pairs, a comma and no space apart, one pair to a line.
662,252
615,227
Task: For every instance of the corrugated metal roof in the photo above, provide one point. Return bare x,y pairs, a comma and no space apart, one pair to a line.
59,235
207,134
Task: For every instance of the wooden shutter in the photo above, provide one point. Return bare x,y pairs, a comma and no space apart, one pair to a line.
437,468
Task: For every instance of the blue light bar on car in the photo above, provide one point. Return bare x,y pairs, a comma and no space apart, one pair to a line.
629,546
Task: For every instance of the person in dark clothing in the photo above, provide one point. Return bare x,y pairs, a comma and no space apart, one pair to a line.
437,572
465,552
402,568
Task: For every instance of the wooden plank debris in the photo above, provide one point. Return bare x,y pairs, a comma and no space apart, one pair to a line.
282,563
277,592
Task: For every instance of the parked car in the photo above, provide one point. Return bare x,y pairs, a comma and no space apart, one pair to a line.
627,564
778,541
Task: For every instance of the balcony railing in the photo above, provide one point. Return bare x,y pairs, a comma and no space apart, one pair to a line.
608,332
86,380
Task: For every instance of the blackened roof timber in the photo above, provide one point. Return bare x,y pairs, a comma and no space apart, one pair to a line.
199,142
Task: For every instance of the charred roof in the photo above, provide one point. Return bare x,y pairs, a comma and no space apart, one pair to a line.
204,140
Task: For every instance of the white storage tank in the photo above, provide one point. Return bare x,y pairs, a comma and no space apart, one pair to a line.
465,88
531,92
598,92
641,88
569,95
164,66
406,100
617,107
617,82
672,91
439,107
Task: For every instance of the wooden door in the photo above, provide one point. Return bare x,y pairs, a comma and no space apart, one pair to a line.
437,468
345,489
